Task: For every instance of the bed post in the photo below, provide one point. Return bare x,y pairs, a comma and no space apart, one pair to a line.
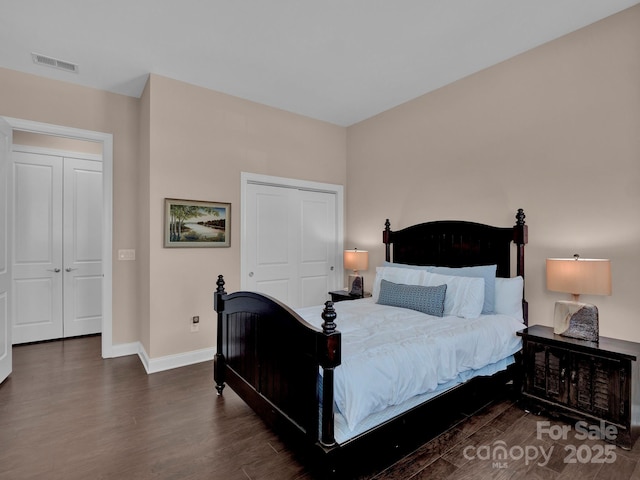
330,357
218,360
386,238
520,238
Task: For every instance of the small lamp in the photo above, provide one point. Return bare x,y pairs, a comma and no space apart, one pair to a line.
578,276
356,260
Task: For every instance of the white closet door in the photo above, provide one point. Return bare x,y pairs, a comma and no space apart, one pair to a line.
57,254
37,247
272,242
291,243
318,240
82,247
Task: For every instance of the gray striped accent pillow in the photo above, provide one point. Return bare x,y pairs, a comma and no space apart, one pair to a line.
429,300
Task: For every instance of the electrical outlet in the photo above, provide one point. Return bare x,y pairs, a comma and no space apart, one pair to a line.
195,323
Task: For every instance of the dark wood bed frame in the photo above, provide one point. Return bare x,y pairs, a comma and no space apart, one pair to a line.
271,357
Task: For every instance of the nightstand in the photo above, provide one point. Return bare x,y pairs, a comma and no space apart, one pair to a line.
341,295
596,382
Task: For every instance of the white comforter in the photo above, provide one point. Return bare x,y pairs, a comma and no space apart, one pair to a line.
390,354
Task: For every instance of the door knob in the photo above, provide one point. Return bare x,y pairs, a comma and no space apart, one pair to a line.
69,269
56,270
251,274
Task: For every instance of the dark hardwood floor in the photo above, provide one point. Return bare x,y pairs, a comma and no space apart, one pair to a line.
65,413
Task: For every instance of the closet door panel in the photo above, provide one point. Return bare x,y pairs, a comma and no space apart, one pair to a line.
37,252
82,247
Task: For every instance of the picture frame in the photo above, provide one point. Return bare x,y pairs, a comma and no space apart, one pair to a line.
192,223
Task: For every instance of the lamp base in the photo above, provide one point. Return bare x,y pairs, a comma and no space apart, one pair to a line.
576,320
356,283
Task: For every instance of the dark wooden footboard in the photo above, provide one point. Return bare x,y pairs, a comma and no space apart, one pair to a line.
272,358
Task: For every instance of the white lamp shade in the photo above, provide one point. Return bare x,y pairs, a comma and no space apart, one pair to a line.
356,260
582,276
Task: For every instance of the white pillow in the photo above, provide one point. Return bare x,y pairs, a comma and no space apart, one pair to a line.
509,297
464,297
428,268
406,276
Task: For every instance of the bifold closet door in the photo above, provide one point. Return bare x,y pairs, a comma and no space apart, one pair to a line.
57,275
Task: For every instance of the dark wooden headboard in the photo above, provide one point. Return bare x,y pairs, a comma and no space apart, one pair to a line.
454,243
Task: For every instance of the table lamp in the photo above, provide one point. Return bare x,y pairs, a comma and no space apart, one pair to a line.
356,260
578,276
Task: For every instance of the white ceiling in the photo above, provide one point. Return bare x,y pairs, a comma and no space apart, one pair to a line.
341,61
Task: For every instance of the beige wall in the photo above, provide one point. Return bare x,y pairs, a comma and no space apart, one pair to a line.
200,141
554,131
143,230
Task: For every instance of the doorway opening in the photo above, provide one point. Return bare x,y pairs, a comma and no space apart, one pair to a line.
104,143
57,238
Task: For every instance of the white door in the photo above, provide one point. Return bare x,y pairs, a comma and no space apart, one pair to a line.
57,272
318,250
5,260
292,246
37,247
271,239
82,247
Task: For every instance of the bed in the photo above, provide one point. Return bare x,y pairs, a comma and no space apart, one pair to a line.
299,374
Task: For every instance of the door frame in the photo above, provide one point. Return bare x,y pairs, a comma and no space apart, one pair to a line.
283,182
106,139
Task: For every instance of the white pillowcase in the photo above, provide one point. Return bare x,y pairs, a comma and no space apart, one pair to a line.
406,276
509,297
464,297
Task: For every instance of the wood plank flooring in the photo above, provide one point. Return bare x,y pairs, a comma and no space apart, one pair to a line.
65,413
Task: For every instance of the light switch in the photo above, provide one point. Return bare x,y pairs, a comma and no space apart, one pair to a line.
129,254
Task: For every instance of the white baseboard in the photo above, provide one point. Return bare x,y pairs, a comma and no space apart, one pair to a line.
124,349
153,365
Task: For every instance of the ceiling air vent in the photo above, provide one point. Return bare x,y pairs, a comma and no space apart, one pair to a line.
54,62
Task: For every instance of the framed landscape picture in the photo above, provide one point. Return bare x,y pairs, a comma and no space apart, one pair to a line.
190,223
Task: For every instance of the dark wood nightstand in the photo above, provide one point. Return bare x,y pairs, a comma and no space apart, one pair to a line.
341,295
597,382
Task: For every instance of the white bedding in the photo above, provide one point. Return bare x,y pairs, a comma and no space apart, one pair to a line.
342,432
392,354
